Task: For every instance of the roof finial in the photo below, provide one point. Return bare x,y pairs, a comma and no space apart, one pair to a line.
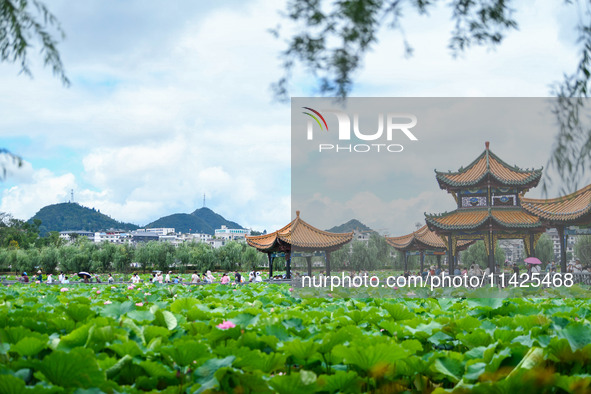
487,144
298,213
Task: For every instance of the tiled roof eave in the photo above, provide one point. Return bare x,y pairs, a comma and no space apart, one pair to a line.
442,178
441,226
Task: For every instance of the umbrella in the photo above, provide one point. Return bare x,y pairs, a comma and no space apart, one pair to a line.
82,273
532,260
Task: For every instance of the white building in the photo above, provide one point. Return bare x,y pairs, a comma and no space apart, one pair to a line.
172,238
196,237
570,242
216,242
513,249
231,233
158,231
69,235
115,237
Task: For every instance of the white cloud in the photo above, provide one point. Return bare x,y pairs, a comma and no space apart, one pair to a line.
42,189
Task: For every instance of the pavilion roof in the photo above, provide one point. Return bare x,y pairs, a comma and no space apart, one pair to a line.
301,235
471,219
488,165
423,238
569,208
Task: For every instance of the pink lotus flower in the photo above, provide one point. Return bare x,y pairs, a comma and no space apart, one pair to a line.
225,325
37,281
113,287
94,288
64,289
139,304
272,309
107,302
147,294
290,289
98,292
130,287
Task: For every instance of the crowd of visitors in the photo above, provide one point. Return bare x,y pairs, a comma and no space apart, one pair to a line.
156,277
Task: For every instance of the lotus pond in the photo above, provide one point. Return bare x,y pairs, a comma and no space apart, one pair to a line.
259,338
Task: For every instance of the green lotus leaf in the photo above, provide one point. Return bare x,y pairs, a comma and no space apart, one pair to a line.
29,346
452,368
78,368
11,385
165,319
293,383
578,335
79,312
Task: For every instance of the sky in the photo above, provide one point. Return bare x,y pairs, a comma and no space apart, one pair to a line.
171,102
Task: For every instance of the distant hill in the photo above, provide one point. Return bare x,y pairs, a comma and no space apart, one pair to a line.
72,216
203,220
351,225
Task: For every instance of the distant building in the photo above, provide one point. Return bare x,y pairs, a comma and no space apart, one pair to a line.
216,242
172,239
69,235
513,249
362,236
195,237
143,236
231,233
112,236
570,243
158,231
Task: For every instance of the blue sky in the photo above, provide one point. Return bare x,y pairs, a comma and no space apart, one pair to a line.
170,101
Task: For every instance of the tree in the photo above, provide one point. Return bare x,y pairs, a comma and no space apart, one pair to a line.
103,257
583,249
360,256
24,23
545,249
332,38
49,259
251,258
477,254
123,258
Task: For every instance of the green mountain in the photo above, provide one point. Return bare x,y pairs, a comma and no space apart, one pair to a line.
351,225
72,216
203,220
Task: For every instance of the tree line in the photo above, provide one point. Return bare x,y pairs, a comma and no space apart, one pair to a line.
85,255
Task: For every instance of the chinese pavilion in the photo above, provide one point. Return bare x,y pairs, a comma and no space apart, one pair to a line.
423,241
560,213
488,193
301,237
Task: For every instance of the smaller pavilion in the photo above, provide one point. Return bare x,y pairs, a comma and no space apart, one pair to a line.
571,210
423,241
301,238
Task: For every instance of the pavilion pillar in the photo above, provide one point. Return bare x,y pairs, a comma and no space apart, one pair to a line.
562,237
450,256
309,264
288,265
491,253
270,265
439,261
327,258
532,250
405,261
422,260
